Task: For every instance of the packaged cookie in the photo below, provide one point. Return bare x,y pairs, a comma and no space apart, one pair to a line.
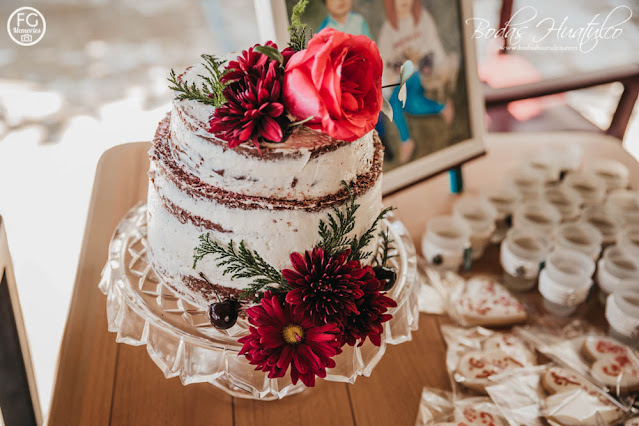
484,301
610,364
475,355
440,408
551,394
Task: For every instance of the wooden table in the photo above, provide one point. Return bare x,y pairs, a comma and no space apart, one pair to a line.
100,382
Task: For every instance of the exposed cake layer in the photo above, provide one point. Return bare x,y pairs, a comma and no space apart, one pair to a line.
307,164
182,206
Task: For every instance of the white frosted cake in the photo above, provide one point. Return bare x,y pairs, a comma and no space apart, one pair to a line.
272,200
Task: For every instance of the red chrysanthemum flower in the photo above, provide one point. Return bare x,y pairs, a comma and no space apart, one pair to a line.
253,110
325,288
372,309
279,337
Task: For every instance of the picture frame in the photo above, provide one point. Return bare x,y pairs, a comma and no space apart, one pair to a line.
273,21
19,402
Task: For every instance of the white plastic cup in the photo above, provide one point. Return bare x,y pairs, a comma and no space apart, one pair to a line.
566,280
622,314
591,188
580,236
504,199
528,182
538,215
521,254
445,241
568,155
629,241
545,165
480,216
625,203
566,200
612,172
614,268
605,220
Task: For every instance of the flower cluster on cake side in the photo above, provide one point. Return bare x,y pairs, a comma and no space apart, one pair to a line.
331,296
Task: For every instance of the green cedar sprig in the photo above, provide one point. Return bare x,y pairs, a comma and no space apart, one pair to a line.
297,30
357,245
241,263
334,232
211,90
387,250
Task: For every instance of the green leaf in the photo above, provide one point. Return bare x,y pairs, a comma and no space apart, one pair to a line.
387,109
297,30
405,72
271,53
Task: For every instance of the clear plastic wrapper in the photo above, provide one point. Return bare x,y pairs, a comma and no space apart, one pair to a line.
438,407
475,355
551,394
611,365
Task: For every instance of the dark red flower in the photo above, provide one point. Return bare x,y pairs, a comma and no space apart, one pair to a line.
279,337
372,309
324,288
249,62
253,110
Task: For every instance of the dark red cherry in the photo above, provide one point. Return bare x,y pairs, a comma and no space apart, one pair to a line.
388,275
223,314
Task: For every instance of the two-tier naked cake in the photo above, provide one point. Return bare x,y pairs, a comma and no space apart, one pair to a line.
265,199
272,200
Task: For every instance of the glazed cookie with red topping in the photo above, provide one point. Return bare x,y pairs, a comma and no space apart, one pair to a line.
617,371
479,415
486,302
475,368
511,345
595,347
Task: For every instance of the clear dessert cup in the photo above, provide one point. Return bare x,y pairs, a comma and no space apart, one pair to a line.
565,280
538,215
622,314
566,200
580,236
591,188
520,256
528,182
605,220
614,174
480,216
614,267
504,199
446,240
625,203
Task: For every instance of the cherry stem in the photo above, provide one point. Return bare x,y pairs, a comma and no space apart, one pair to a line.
214,290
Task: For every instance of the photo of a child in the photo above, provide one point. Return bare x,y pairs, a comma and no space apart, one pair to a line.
426,32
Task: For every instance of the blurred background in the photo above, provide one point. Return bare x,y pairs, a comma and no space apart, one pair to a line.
98,79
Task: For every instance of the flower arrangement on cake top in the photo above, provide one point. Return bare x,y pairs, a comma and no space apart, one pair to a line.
333,84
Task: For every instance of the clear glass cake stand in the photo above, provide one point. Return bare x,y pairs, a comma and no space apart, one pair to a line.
182,342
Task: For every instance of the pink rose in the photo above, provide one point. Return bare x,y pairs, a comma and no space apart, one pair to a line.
337,80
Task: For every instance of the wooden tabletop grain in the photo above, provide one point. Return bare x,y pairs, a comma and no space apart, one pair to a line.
100,382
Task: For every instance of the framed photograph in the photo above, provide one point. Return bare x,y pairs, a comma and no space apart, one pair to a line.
441,124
